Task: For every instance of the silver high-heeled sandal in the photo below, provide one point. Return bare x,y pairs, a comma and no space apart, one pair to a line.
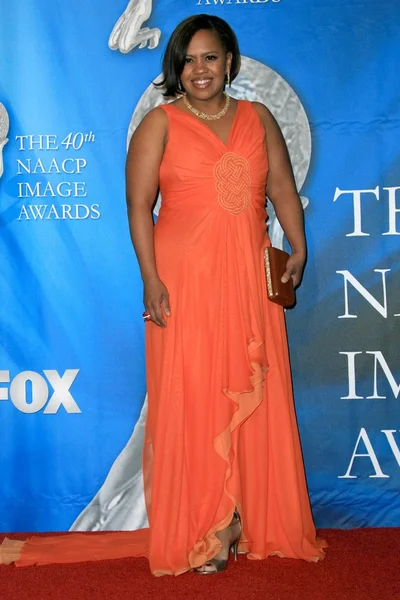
220,564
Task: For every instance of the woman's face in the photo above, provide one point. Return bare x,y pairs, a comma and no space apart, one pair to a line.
206,64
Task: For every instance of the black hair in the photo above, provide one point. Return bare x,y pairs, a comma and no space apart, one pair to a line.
175,52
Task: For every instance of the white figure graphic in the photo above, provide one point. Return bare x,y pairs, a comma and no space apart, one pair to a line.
119,504
4,127
128,31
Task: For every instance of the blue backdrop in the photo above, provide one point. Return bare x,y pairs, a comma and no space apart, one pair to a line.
72,379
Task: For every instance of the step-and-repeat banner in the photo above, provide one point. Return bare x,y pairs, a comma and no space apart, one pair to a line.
75,80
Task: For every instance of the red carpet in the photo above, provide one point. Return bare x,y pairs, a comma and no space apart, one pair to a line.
362,564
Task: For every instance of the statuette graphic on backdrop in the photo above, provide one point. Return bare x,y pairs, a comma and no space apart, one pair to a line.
128,31
4,127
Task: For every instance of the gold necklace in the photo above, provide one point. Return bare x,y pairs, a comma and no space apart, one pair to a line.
207,116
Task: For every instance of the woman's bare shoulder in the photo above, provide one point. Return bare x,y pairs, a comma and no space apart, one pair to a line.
265,114
153,126
156,117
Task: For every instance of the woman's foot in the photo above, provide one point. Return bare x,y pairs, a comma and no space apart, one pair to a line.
229,538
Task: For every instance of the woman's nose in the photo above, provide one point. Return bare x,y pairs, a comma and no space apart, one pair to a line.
200,66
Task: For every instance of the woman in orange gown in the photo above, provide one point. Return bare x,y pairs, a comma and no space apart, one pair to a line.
222,457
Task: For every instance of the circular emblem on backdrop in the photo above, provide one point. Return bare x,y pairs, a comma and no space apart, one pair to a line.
258,83
233,183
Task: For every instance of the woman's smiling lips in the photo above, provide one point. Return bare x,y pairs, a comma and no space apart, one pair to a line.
201,83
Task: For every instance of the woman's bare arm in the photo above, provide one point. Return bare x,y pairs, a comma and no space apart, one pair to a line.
142,171
281,190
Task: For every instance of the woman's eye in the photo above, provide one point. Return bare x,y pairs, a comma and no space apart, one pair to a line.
212,57
188,60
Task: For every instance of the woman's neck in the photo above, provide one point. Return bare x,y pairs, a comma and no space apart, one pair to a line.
212,105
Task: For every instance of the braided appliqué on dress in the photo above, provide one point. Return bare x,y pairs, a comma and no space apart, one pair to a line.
233,183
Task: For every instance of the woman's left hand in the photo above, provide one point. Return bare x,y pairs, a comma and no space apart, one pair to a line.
294,268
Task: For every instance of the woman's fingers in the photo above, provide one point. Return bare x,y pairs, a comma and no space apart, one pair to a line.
156,301
293,273
156,308
286,276
165,305
296,276
294,270
156,314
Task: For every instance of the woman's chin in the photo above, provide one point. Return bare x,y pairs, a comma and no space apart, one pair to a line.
204,94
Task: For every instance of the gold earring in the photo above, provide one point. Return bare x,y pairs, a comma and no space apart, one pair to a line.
180,88
228,78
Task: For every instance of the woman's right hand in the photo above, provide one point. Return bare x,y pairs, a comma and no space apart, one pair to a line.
156,300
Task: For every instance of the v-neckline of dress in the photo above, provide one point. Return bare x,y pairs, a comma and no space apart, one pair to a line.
203,125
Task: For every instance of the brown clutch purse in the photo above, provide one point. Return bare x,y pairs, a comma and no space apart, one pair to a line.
275,266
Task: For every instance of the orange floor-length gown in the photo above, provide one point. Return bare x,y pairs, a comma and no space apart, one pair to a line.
221,429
